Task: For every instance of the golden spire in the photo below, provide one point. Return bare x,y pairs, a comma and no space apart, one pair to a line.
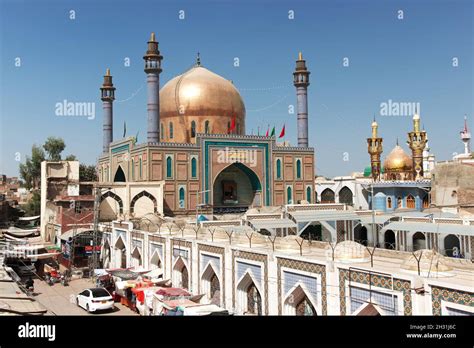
107,72
152,37
374,129
300,56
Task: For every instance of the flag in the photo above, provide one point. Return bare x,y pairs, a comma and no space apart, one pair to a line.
282,133
124,129
273,132
268,131
136,138
232,125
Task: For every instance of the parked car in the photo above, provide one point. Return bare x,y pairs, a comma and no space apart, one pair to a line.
95,299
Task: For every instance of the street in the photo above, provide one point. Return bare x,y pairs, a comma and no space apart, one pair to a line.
60,300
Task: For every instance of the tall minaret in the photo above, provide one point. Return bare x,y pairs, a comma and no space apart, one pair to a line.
301,82
375,149
417,141
466,138
153,69
107,92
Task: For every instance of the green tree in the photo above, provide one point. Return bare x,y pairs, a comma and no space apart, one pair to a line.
54,146
30,171
87,173
70,158
33,207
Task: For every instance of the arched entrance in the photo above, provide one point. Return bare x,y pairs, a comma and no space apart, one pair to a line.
119,175
143,203
451,245
419,241
181,274
136,258
327,196
120,253
360,235
211,286
237,186
346,196
389,240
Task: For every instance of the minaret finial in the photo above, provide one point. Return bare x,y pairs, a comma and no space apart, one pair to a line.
152,37
300,56
397,141
107,72
198,59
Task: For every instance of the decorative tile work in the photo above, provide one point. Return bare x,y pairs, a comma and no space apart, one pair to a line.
302,266
136,234
214,250
449,295
253,257
377,280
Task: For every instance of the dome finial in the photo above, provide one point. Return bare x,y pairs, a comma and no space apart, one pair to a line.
198,59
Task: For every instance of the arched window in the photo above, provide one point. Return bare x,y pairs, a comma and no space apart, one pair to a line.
278,169
171,130
206,127
169,167
426,202
410,201
214,293
304,307
389,202
308,194
193,129
289,195
181,198
254,300
399,202
193,167
162,131
184,278
346,196
298,169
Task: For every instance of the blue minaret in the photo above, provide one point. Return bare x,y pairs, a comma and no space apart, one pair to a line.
153,69
107,92
301,82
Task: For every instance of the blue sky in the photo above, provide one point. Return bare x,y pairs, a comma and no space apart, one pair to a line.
408,60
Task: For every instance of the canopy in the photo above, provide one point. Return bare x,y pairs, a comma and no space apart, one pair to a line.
171,292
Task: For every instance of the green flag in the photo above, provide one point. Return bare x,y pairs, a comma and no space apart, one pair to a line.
273,132
136,138
124,129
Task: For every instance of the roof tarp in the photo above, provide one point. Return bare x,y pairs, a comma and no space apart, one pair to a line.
272,223
430,227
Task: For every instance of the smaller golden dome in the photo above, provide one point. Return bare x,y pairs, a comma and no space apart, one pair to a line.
398,160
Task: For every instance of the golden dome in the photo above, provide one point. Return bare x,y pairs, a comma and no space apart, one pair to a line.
398,160
200,95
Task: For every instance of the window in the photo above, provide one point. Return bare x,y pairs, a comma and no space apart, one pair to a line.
254,300
169,167
410,201
193,129
206,127
193,168
389,202
289,195
171,130
77,207
181,198
298,169
399,202
308,194
140,168
278,168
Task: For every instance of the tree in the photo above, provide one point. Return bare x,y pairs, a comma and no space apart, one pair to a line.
54,146
30,171
70,158
33,207
87,173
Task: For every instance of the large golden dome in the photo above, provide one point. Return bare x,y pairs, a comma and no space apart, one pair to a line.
398,160
201,98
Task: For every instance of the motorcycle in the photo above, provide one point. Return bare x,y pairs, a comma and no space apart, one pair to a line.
52,277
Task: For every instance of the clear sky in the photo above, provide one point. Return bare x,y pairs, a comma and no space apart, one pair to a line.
403,60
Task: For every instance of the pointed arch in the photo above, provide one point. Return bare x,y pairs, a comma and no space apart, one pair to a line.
249,295
137,260
181,274
346,196
119,175
211,284
140,195
410,202
299,302
155,260
327,196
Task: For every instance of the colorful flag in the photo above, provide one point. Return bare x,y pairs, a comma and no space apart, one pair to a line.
124,129
282,133
268,131
273,132
232,125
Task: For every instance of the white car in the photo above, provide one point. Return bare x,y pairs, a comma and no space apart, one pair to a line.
95,299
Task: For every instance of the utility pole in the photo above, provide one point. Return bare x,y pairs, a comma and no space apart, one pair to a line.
94,264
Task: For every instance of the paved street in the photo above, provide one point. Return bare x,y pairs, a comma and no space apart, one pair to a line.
60,300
